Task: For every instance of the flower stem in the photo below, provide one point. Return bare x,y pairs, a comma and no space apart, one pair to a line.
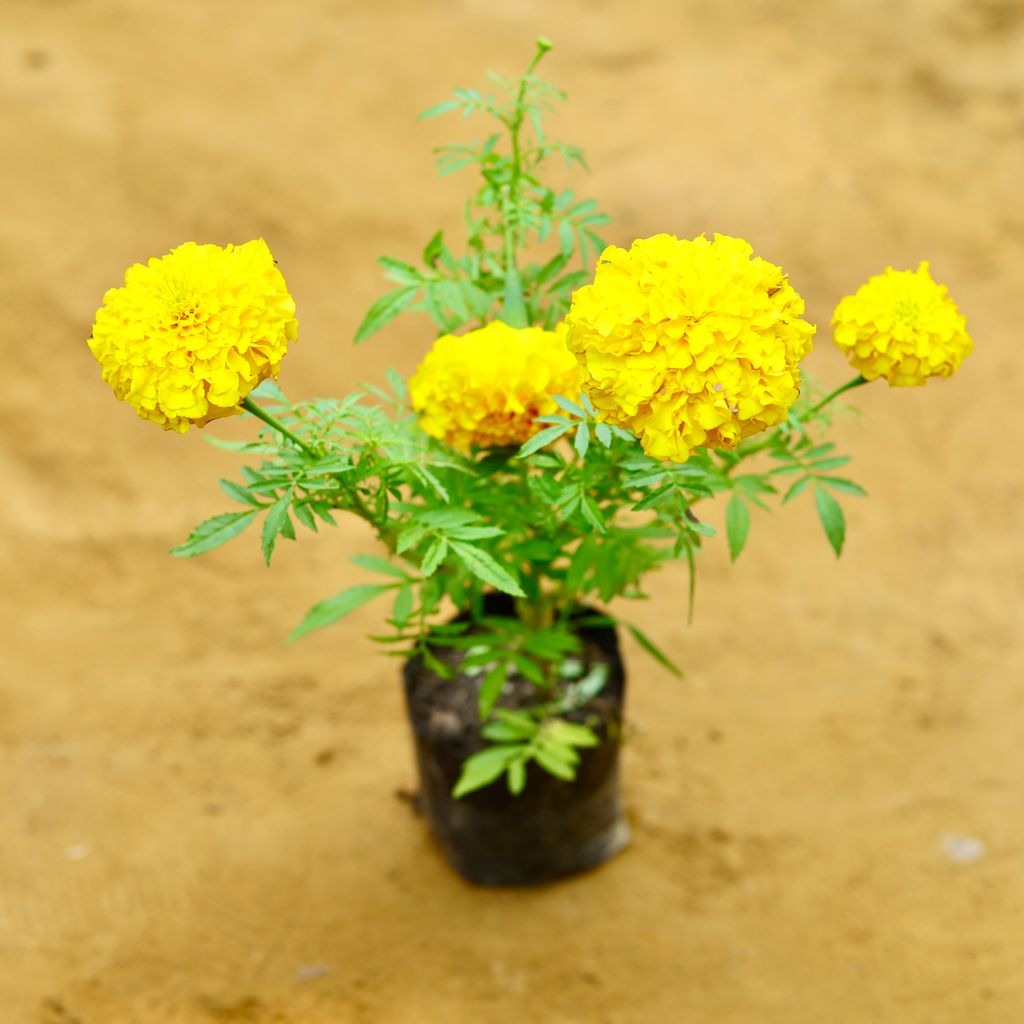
514,309
260,413
849,385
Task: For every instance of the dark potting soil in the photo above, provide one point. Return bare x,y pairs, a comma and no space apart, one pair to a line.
554,827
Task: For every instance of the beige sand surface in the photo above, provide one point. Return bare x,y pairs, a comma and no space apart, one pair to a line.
199,824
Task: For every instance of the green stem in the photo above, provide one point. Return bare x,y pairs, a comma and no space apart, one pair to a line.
514,311
260,413
849,385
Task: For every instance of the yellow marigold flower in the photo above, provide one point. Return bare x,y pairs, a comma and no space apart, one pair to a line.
193,332
902,326
689,343
486,388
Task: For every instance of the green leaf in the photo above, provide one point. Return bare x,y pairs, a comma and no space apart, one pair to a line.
383,311
592,513
566,239
434,556
604,434
529,669
377,564
582,440
832,518
844,486
551,268
476,532
397,382
483,767
549,760
519,723
399,271
516,777
409,537
305,516
432,250
490,691
239,493
653,650
274,523
571,734
737,525
570,407
437,109
824,465
333,608
541,440
484,567
403,606
214,532
797,488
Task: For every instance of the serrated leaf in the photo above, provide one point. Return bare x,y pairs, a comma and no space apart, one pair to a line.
653,650
571,734
484,567
375,563
553,765
383,311
432,250
483,767
824,465
399,271
277,516
844,486
490,691
832,518
476,532
797,488
592,513
409,538
582,440
566,238
737,525
529,669
551,268
333,608
541,440
604,434
434,556
397,382
402,608
239,493
437,110
214,532
570,407
287,530
305,516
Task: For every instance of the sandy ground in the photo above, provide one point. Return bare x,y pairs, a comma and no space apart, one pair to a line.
200,824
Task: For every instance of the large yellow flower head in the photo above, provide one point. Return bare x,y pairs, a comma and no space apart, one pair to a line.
192,333
486,388
689,343
902,326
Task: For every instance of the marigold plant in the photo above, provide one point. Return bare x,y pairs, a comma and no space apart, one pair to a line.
573,428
